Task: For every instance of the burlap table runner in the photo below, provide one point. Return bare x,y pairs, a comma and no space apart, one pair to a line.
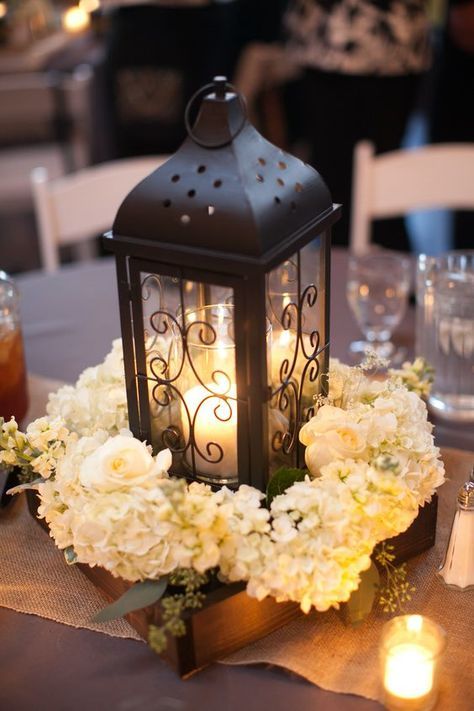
319,647
33,575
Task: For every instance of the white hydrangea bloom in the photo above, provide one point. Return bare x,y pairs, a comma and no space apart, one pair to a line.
97,401
369,449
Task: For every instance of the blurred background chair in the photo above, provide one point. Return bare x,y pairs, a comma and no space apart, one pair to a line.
75,208
44,121
398,182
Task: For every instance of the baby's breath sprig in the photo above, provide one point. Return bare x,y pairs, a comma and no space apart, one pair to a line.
173,606
417,376
15,450
397,589
320,400
373,362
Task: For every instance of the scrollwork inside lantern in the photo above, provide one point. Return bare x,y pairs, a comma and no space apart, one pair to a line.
296,305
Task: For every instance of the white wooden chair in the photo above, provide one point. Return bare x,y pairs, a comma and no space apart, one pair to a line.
32,107
76,207
395,183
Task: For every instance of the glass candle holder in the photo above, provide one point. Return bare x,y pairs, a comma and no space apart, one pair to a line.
410,652
13,389
209,404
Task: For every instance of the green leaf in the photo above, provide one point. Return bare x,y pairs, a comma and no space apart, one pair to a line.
25,487
361,601
139,596
282,480
70,555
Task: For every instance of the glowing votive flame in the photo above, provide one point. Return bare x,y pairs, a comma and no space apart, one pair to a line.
75,19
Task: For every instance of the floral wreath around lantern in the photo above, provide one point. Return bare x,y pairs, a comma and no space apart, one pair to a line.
109,502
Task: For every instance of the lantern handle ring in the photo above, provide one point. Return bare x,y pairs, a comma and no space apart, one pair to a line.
218,87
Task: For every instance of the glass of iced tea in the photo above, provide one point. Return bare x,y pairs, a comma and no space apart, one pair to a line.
13,390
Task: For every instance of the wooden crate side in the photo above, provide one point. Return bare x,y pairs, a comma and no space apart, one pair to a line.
419,536
230,624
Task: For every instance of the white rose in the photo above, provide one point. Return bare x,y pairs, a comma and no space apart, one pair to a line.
332,435
121,461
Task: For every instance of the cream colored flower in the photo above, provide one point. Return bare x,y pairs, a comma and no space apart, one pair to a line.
332,434
122,461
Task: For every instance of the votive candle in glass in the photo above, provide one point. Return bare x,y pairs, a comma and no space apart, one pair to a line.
410,651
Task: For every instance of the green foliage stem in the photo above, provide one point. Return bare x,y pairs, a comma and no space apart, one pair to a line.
174,605
397,589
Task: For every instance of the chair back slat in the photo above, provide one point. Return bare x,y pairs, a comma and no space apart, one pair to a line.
82,205
396,183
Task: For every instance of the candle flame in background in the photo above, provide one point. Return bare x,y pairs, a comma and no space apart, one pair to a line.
284,338
75,19
89,5
3,10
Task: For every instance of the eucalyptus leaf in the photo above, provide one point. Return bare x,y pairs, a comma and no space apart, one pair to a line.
25,487
70,555
361,601
140,595
282,480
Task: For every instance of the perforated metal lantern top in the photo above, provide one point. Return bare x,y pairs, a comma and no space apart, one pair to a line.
226,189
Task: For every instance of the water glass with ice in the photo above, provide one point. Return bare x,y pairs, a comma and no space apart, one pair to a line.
445,325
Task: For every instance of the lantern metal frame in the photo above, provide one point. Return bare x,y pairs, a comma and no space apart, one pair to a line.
137,251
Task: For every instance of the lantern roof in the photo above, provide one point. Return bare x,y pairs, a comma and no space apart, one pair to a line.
226,189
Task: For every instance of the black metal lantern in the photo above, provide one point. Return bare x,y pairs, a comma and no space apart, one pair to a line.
223,272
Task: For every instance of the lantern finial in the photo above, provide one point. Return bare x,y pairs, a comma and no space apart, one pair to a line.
220,83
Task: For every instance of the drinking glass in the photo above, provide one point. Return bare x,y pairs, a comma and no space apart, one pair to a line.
445,331
377,292
13,392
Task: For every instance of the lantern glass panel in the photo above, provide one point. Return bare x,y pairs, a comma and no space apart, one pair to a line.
189,347
296,309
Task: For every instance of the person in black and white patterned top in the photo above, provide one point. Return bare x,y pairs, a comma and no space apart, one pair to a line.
362,62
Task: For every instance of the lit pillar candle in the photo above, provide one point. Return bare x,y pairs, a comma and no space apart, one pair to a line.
411,649
215,420
208,405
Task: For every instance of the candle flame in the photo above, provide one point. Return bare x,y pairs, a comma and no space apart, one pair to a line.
75,20
414,623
